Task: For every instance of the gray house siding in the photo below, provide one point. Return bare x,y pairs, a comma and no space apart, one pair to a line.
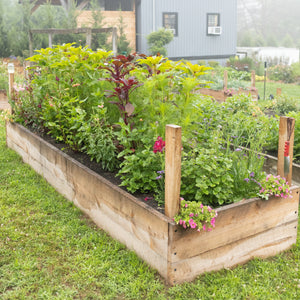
192,42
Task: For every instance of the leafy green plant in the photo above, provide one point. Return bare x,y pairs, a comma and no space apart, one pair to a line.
205,177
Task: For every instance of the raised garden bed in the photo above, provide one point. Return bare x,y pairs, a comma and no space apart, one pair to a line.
222,95
247,229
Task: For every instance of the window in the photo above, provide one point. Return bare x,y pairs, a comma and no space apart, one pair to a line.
114,5
170,21
213,24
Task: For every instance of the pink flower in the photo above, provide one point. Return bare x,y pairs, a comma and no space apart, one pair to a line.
159,145
204,227
212,222
192,223
191,215
186,205
209,208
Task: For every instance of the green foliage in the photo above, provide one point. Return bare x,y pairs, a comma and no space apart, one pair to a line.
205,177
116,108
296,115
99,140
122,42
139,171
284,104
157,41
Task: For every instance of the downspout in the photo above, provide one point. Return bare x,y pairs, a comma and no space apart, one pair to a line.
153,16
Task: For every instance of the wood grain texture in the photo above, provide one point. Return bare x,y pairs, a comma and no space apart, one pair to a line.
132,222
243,230
172,170
247,229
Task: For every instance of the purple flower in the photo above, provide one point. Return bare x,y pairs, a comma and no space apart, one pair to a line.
158,177
246,179
56,78
238,149
160,172
251,174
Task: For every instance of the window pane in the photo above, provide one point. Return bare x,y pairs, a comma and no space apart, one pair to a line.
212,20
170,22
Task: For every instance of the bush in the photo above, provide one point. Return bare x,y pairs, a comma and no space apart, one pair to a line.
157,41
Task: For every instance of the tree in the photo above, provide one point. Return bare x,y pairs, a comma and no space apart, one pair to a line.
123,43
4,46
157,41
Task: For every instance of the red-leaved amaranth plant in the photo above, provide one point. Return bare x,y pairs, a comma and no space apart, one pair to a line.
119,69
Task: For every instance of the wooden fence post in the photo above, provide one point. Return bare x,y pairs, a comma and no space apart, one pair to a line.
114,41
278,92
11,79
253,79
286,134
225,79
172,170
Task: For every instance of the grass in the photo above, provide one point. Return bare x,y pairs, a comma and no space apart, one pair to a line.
50,250
292,90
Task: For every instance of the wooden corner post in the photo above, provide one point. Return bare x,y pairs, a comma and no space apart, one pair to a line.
285,148
253,79
172,170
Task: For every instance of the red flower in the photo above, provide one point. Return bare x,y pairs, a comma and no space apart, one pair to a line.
159,145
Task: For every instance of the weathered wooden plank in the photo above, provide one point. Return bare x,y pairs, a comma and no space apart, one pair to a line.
132,222
266,244
236,222
172,170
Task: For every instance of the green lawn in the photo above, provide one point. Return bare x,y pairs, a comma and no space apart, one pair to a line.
292,90
50,250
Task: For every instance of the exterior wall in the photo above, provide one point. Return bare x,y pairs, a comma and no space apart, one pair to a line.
192,42
282,55
111,19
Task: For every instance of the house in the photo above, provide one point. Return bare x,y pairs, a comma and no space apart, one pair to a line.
271,55
203,29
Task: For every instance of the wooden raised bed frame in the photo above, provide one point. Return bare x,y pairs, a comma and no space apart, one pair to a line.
247,229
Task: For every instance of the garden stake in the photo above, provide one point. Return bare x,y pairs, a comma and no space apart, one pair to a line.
286,158
285,148
290,128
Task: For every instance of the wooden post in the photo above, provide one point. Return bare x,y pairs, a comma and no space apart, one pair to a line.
89,37
114,41
30,43
253,79
172,170
225,79
286,133
11,79
50,40
278,92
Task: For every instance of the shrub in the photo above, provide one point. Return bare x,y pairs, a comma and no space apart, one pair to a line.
157,41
